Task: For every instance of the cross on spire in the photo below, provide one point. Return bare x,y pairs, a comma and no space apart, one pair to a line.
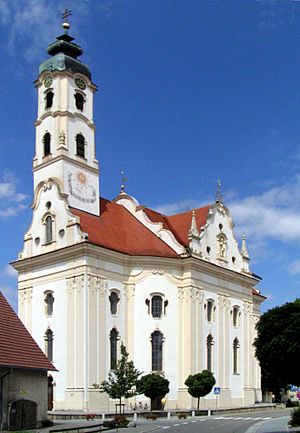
219,196
65,17
123,181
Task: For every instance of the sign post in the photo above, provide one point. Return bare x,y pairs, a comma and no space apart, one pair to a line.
217,392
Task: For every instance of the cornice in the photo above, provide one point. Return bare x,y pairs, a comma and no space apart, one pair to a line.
213,269
68,159
39,81
64,113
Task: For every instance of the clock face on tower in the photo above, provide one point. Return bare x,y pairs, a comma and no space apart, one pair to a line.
80,187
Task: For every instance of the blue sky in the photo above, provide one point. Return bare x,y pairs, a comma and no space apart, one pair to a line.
189,91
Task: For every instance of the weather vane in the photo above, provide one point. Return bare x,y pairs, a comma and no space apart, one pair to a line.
219,196
65,17
123,181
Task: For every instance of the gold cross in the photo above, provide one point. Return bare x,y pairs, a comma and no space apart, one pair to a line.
66,15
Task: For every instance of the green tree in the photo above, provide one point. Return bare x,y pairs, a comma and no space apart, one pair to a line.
277,346
154,387
200,384
122,381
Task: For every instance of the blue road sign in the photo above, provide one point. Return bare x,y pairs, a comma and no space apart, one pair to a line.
217,390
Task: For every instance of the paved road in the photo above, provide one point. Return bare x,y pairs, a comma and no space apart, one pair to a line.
259,422
254,422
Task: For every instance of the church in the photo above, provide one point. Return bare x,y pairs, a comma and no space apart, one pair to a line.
177,290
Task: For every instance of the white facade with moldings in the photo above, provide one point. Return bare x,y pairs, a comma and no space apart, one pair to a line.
192,269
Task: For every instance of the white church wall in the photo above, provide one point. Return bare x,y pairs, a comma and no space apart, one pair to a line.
167,325
56,322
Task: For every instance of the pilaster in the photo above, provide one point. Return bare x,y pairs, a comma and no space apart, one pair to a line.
129,290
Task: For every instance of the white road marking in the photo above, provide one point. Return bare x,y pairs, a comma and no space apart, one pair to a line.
250,417
267,417
186,422
220,417
176,425
168,426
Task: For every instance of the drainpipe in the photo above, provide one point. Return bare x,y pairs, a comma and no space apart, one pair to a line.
1,396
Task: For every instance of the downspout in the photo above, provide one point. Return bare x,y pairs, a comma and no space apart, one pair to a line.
1,397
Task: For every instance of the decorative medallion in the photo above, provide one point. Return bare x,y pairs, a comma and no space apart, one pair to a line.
80,83
48,81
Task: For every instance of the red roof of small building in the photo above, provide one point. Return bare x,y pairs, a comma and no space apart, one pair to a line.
118,230
17,347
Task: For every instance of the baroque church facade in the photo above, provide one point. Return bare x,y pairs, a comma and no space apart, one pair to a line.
176,290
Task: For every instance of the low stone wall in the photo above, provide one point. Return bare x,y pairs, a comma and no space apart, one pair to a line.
66,415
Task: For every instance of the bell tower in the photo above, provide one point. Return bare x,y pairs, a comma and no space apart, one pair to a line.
65,132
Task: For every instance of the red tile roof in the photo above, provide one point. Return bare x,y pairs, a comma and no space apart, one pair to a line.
179,224
118,230
17,347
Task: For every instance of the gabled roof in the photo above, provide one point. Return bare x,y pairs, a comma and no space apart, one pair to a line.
179,224
17,347
118,230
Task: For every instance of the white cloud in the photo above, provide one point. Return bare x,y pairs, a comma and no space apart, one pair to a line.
36,23
9,271
11,200
273,214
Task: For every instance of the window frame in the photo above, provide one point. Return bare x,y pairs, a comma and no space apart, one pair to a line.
80,145
114,292
210,310
113,349
49,306
46,144
82,99
209,352
157,341
236,316
235,355
49,238
49,337
49,102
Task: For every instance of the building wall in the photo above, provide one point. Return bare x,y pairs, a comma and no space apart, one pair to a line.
25,384
82,322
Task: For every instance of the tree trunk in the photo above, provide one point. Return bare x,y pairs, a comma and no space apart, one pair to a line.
198,403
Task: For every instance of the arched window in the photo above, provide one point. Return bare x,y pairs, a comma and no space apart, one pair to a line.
210,310
47,144
48,230
235,316
80,145
114,299
156,306
49,344
209,346
236,346
157,350
49,99
79,101
49,300
113,348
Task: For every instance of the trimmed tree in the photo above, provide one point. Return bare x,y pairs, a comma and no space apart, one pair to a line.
154,387
200,384
277,346
122,381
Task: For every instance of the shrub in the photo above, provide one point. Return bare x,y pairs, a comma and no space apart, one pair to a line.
121,420
151,416
181,415
47,423
295,420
